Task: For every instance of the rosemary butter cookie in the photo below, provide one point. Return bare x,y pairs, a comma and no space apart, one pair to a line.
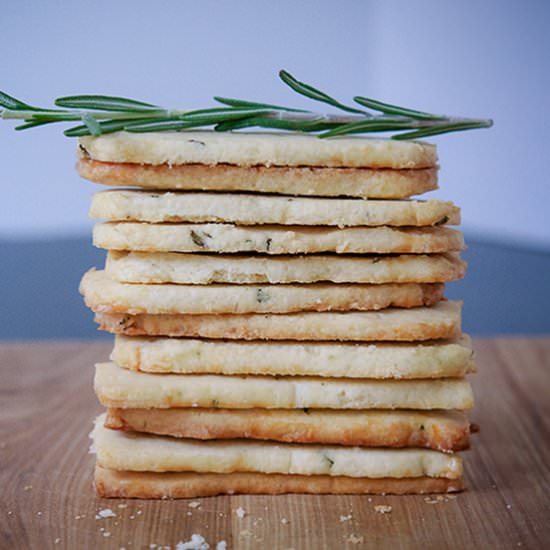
446,431
201,269
118,387
120,451
260,148
298,180
248,209
273,239
435,359
439,321
170,485
103,294
365,183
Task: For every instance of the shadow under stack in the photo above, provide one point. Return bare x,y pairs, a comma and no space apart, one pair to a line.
279,319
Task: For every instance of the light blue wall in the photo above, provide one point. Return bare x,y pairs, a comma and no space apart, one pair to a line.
178,53
479,58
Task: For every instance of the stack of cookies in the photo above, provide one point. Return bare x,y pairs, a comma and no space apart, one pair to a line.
280,322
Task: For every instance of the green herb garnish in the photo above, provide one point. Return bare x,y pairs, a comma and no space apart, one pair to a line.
99,114
262,295
329,460
197,239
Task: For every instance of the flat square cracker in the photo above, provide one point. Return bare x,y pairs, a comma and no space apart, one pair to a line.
172,485
249,209
257,148
434,359
365,183
439,321
118,387
103,294
275,239
205,269
446,431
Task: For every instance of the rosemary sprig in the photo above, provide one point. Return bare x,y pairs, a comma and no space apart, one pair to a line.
99,114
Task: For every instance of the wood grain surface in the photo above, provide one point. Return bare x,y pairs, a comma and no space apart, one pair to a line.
47,499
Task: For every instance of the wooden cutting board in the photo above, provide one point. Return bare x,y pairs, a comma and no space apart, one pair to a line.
47,500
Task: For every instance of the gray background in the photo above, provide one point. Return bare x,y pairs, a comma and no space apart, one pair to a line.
469,58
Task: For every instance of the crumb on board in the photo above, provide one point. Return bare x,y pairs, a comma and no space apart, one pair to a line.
122,506
194,504
105,513
343,519
284,521
383,508
57,540
197,542
439,498
355,539
241,512
27,488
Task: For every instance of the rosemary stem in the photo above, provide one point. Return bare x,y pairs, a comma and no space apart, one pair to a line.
313,117
103,114
347,119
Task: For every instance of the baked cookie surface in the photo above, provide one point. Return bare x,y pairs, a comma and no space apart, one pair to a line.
366,183
275,239
205,269
123,388
439,321
436,359
172,485
249,209
447,431
103,294
257,148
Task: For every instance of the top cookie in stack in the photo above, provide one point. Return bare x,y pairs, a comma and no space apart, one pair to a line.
266,163
277,238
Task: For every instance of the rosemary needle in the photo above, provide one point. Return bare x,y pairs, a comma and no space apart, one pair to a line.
102,114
